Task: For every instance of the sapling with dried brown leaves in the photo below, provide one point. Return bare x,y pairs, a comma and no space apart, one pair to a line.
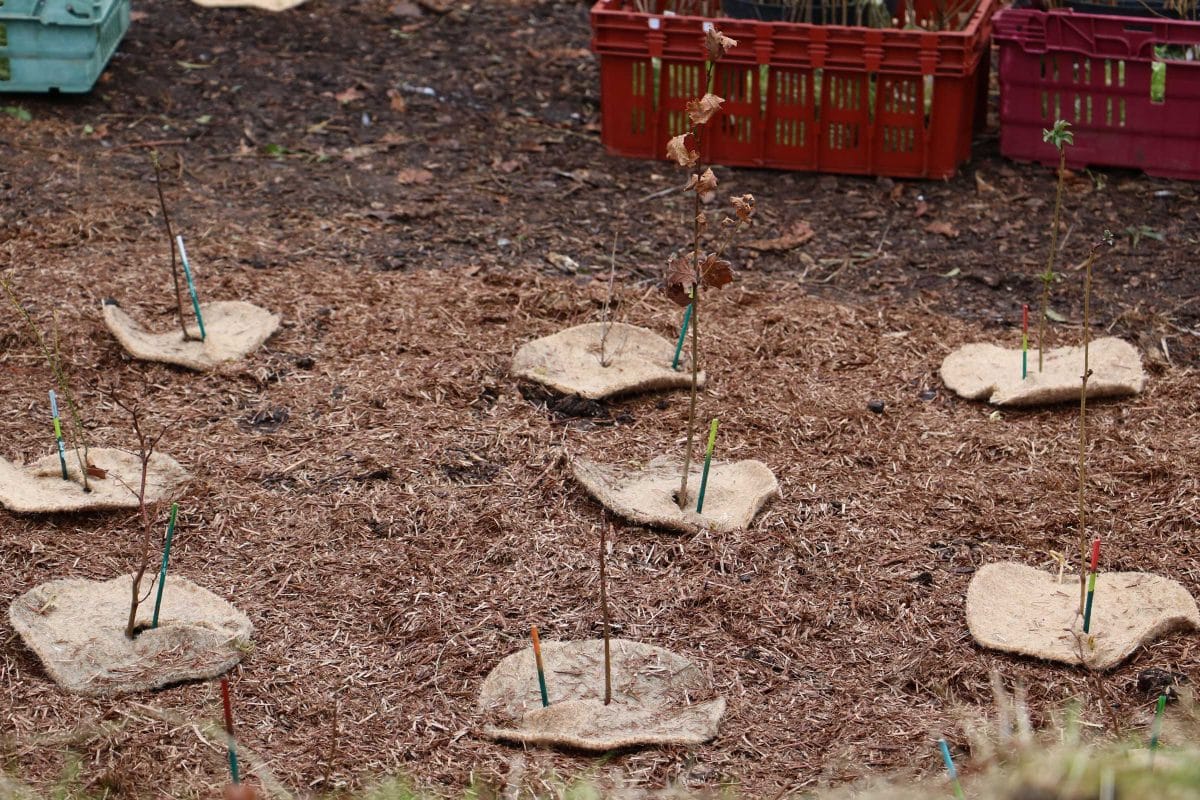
689,274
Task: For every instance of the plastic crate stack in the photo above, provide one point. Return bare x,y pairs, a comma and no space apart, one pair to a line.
1129,86
900,102
58,45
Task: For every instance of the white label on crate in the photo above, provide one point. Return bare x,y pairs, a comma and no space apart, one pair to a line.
654,22
708,26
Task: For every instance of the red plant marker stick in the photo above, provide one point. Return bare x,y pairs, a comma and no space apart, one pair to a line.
1025,318
233,763
1095,554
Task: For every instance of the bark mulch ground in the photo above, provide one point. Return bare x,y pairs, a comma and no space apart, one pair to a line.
418,188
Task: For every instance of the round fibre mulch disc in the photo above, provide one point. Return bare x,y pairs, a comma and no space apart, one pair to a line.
636,360
646,494
39,488
987,372
658,698
233,329
266,5
77,629
1019,609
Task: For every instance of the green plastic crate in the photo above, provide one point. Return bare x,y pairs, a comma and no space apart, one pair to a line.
58,45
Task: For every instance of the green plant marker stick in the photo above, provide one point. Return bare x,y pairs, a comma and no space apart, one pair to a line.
687,317
945,748
708,451
1156,726
1024,341
230,746
537,657
162,572
1091,589
58,437
187,273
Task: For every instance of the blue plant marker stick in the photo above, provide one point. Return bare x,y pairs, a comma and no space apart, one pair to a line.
687,317
950,770
58,437
187,272
162,573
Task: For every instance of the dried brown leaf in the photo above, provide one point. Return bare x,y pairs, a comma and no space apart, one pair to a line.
744,206
799,233
413,175
944,228
702,110
349,95
715,273
680,153
717,44
680,278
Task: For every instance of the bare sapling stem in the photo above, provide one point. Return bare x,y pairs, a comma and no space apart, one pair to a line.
51,352
77,430
146,445
162,204
1087,373
1060,136
606,324
605,616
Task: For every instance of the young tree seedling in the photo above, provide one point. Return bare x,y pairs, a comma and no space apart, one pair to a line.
146,445
1087,373
689,274
162,204
52,353
606,322
1060,136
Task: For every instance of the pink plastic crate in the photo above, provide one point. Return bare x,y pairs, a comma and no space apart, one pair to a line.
1125,84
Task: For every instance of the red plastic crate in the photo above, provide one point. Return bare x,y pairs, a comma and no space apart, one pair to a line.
1095,71
826,98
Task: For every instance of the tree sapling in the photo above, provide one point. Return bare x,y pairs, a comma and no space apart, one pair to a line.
1060,136
689,274
146,445
1084,545
52,353
162,204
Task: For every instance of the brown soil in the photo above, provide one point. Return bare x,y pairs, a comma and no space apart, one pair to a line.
393,511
